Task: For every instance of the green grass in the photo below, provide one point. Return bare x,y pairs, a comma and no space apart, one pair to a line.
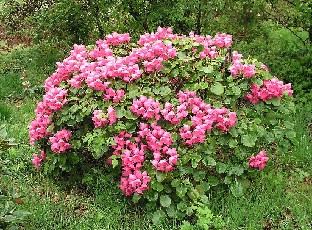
279,198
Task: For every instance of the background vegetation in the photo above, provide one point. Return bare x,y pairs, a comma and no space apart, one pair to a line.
35,34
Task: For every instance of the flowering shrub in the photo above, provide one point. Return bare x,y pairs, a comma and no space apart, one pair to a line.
176,115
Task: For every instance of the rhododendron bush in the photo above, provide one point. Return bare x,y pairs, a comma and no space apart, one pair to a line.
175,115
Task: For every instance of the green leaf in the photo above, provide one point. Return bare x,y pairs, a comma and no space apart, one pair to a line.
290,134
181,55
165,90
120,112
99,152
158,216
221,167
258,81
157,186
217,88
200,48
165,201
181,191
276,101
204,199
237,189
181,206
189,211
186,226
213,181
236,90
114,160
203,85
233,143
152,195
129,115
160,176
193,194
175,183
236,170
227,180
249,140
172,211
205,185
136,197
233,132
195,160
199,175
207,69
209,161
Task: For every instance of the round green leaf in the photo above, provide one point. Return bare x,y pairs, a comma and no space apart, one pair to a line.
165,201
249,140
217,88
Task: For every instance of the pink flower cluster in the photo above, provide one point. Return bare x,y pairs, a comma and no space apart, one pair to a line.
238,67
271,89
135,182
93,80
53,100
210,52
258,161
222,40
101,50
115,95
148,108
38,128
59,143
154,54
159,141
132,157
174,115
203,118
210,44
77,68
100,119
117,39
37,160
161,34
78,57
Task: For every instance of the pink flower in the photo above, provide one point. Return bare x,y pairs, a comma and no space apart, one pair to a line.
37,160
248,70
236,56
147,108
258,161
264,67
236,67
99,118
222,40
116,39
111,115
38,128
271,89
59,143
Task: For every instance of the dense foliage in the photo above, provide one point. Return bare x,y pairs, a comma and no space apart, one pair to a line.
175,115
